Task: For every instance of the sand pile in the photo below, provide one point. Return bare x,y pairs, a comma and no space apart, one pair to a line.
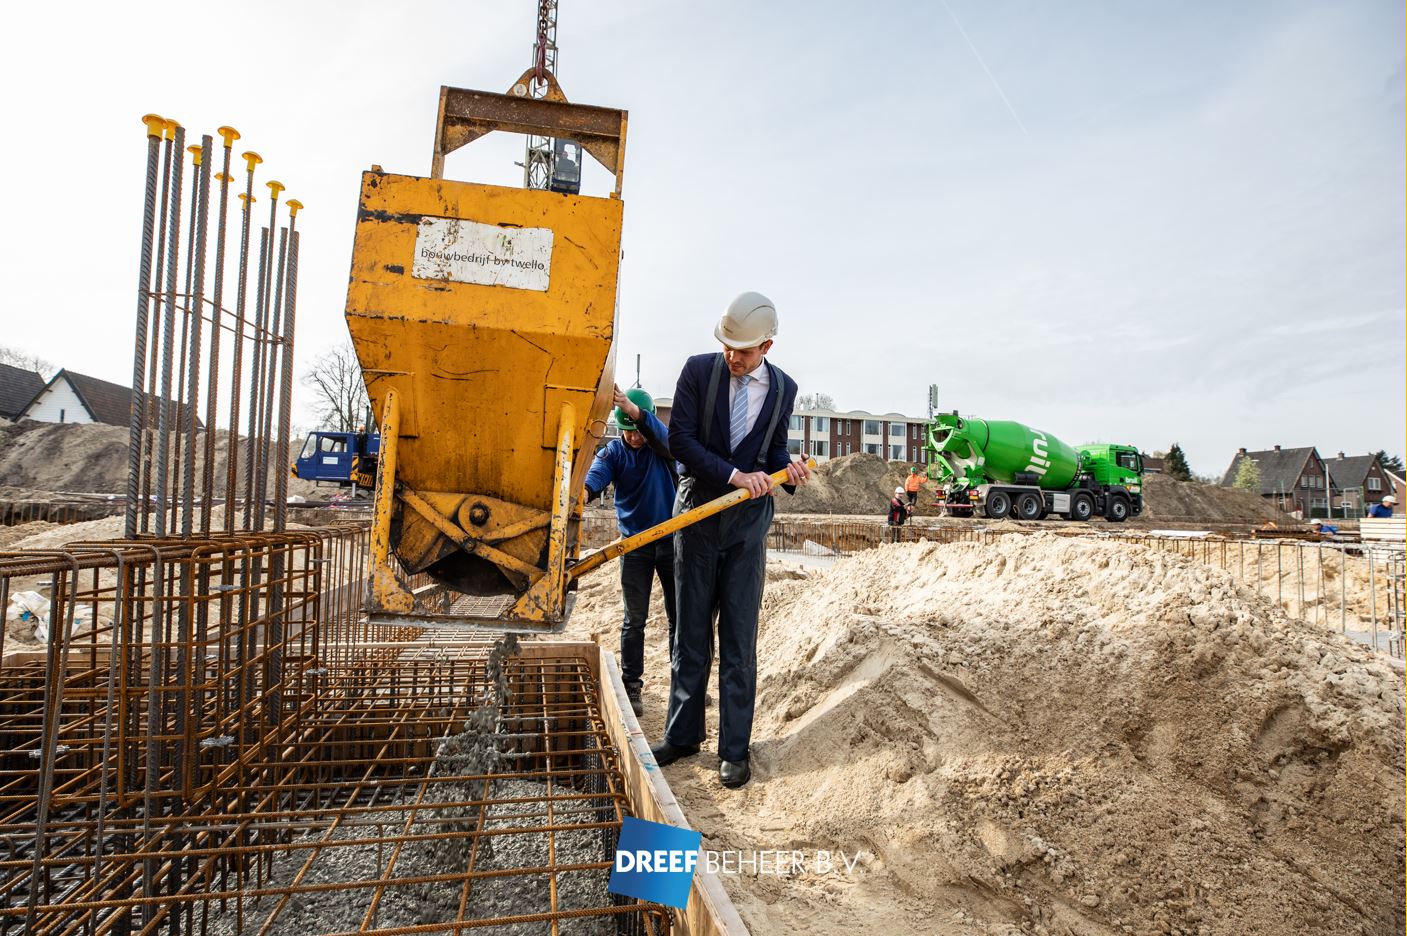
1170,500
1047,735
93,458
851,484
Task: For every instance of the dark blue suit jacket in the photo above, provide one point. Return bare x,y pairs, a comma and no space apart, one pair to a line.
714,464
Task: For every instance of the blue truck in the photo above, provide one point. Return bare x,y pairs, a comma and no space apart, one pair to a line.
347,459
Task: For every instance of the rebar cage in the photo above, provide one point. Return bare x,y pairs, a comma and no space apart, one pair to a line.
214,740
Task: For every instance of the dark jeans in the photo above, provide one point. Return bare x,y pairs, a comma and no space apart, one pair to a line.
720,567
637,575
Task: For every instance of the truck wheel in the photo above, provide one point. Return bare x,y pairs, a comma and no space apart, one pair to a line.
1118,509
1081,507
1028,506
998,505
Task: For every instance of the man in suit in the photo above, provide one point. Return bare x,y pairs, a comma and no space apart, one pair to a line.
728,429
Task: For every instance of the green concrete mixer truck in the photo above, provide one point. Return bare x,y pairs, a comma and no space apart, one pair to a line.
1006,469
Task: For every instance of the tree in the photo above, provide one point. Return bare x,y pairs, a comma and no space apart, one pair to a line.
1247,475
1391,463
339,393
815,401
24,360
1175,464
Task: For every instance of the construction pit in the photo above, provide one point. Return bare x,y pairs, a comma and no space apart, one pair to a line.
1039,734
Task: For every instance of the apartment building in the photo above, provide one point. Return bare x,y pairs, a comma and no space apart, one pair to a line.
827,434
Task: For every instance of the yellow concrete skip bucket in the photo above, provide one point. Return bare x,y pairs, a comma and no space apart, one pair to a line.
484,320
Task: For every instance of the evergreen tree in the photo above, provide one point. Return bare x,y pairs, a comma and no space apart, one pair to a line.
1391,463
1175,464
1247,475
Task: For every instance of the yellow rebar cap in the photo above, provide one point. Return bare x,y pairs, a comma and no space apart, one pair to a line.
247,199
252,159
293,206
223,177
275,186
171,127
230,134
155,124
195,151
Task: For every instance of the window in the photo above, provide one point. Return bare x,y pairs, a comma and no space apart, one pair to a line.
896,452
1375,484
872,427
794,424
820,424
1305,482
871,449
310,447
794,446
896,430
333,444
842,426
1127,460
61,415
819,448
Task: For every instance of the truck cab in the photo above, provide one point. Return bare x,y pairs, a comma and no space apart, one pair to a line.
341,458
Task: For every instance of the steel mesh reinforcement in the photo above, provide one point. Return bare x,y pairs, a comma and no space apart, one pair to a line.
214,740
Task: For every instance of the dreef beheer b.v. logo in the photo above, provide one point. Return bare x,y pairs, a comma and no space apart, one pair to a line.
654,862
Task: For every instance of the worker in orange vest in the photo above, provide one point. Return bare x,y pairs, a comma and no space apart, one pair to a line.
912,484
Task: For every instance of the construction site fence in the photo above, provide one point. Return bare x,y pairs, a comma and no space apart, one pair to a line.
1355,588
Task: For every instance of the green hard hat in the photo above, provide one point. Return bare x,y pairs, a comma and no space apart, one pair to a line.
641,399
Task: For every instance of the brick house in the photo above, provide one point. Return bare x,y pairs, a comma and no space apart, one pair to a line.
1359,481
1295,479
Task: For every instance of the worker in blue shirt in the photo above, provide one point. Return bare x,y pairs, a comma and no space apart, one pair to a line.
1383,509
642,470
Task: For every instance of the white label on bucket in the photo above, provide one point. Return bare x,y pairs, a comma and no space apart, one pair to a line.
485,254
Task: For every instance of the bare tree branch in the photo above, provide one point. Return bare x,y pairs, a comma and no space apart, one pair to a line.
23,359
338,389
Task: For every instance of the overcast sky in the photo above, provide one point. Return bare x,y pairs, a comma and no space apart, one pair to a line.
1122,222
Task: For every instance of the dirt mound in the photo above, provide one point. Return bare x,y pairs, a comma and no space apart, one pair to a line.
92,457
851,484
1169,500
1063,736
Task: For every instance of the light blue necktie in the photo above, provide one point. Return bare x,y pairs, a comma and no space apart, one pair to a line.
738,428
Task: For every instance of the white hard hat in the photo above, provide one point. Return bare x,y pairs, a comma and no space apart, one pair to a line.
750,320
898,490
1389,499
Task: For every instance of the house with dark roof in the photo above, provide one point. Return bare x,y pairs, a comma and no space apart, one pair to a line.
1295,479
77,398
17,387
1359,481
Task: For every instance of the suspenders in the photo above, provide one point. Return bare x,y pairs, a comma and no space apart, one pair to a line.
711,399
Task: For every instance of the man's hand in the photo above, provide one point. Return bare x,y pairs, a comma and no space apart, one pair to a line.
756,483
797,472
626,405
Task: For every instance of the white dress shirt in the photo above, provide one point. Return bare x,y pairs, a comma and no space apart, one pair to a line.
756,397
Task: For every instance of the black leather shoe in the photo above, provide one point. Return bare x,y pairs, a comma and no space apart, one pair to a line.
637,704
666,753
734,773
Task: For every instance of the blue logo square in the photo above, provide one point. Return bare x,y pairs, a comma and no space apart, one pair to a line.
654,862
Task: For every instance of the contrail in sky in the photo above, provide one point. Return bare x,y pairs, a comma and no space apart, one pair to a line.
978,55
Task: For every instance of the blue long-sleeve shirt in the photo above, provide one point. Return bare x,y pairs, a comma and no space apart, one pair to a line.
643,478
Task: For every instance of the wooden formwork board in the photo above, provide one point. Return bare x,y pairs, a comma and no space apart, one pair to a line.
709,912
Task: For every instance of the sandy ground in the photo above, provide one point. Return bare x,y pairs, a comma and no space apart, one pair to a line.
1046,736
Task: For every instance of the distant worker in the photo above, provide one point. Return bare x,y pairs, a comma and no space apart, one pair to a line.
1384,508
642,470
899,510
913,483
1326,529
728,430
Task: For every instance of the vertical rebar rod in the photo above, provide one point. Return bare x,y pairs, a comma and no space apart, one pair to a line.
217,311
285,415
137,418
255,370
189,320
251,160
271,363
188,412
149,417
163,441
